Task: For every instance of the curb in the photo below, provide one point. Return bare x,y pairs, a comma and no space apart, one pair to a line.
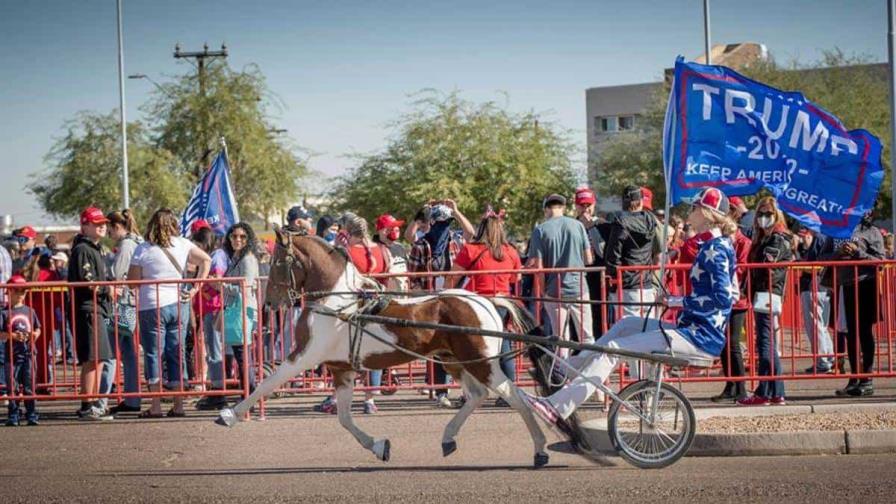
850,442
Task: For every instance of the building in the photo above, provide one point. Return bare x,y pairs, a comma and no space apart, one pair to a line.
613,110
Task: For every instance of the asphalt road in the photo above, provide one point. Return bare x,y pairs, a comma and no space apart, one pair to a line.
299,456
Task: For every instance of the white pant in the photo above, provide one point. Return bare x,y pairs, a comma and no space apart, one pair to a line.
816,308
637,296
577,315
625,334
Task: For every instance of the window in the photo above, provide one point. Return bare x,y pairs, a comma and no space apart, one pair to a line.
604,124
626,123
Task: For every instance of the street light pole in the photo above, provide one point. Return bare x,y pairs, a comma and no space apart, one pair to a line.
891,45
125,189
706,43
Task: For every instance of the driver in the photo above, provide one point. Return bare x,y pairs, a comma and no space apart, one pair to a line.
699,331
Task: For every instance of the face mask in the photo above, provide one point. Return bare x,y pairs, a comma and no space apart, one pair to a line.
394,234
765,222
330,237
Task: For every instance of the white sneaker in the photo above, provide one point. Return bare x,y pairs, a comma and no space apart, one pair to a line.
442,401
96,415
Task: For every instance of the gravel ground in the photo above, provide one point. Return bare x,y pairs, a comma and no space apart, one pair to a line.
852,420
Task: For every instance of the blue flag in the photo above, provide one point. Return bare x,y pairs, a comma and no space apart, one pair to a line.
212,199
727,131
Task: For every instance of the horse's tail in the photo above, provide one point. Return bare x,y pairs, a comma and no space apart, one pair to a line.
519,315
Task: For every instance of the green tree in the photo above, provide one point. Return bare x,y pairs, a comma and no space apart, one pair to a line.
84,168
476,154
847,86
189,122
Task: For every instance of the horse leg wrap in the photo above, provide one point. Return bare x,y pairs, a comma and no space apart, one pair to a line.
381,449
227,418
541,460
449,448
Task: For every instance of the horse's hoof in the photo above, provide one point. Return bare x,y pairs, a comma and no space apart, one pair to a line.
541,460
449,448
226,417
381,449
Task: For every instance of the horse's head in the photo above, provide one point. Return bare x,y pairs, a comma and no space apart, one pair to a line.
301,263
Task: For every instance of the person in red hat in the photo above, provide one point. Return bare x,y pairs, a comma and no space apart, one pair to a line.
26,237
388,232
19,328
92,309
597,231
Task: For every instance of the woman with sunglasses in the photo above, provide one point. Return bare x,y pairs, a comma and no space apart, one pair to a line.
239,245
699,331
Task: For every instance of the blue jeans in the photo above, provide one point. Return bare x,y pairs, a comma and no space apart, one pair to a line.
767,352
129,368
18,375
214,354
164,334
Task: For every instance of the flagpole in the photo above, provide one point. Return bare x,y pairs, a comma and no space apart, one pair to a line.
891,22
706,32
125,189
667,167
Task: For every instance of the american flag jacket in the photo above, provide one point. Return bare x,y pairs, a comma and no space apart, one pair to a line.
714,289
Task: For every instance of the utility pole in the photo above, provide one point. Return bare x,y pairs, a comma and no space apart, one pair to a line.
125,189
200,57
706,43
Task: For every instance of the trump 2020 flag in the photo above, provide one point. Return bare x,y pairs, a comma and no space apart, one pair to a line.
727,131
212,199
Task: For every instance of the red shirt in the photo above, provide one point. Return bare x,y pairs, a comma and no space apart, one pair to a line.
362,260
477,257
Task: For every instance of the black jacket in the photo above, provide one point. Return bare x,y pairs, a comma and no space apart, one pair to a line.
88,264
773,248
870,242
812,253
631,244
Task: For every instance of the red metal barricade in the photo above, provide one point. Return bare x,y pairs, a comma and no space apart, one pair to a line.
271,340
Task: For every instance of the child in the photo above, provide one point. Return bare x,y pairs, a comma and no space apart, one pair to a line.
20,327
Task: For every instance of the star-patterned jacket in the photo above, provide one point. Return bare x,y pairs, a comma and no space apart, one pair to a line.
714,289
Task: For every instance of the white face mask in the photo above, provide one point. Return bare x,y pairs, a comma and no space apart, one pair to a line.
765,222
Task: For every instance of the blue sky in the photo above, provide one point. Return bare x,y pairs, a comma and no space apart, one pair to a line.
345,69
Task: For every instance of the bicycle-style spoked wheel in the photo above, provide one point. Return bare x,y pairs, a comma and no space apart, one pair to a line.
657,444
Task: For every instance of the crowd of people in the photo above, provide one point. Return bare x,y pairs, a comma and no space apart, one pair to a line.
186,320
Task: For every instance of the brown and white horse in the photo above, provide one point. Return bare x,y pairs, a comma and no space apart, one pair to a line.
310,264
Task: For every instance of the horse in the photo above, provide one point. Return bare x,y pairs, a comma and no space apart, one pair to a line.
326,334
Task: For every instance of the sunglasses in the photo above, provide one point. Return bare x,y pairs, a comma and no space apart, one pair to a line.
238,236
765,214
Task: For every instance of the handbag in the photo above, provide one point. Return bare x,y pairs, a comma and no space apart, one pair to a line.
185,288
126,313
767,302
232,315
233,323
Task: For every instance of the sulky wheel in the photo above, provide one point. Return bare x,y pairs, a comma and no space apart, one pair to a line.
657,444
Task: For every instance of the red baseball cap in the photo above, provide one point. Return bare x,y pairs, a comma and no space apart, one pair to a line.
386,221
17,279
93,215
28,232
199,224
647,198
585,196
736,201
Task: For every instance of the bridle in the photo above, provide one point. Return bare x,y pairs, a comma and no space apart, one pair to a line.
290,262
